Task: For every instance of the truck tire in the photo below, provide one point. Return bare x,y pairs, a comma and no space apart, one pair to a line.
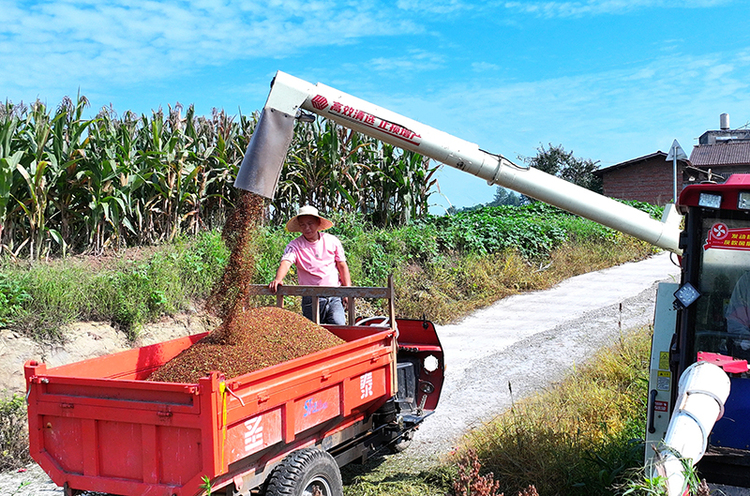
306,472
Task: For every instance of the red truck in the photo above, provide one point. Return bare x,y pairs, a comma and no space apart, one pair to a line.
98,425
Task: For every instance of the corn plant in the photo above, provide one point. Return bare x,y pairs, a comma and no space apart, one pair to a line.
88,185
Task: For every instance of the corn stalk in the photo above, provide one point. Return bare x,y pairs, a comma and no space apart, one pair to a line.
88,185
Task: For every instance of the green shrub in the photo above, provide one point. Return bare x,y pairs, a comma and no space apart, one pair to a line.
13,296
126,292
14,443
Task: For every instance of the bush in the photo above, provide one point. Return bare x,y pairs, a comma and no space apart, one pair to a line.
126,292
13,295
14,443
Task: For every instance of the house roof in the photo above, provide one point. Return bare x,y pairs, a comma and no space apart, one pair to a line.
659,155
729,153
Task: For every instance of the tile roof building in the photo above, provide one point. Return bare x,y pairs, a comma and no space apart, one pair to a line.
724,157
718,154
648,179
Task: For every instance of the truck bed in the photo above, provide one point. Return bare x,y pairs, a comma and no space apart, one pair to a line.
98,425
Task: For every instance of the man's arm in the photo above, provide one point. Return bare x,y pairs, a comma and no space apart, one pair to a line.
281,272
344,276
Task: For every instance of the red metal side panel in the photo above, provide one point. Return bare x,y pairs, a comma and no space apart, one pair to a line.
316,408
137,363
363,389
62,438
126,461
131,437
180,456
253,435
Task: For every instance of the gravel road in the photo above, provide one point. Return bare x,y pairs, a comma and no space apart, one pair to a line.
528,340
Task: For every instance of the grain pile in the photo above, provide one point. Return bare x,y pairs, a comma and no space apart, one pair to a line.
252,340
249,338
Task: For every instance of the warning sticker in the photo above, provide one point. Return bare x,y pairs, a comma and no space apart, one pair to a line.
664,360
660,406
721,237
663,380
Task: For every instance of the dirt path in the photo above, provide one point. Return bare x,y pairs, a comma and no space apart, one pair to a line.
528,340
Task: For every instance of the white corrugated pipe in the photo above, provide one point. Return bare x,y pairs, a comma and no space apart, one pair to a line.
703,389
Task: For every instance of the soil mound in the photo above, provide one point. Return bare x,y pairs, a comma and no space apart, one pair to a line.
251,340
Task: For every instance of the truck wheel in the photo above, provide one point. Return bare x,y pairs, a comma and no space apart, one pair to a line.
306,472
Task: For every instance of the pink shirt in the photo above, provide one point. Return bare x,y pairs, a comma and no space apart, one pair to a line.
316,262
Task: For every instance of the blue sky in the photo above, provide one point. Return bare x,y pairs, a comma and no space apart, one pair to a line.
610,80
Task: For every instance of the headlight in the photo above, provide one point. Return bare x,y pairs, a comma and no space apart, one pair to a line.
710,200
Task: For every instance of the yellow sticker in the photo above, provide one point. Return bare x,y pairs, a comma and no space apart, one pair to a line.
664,360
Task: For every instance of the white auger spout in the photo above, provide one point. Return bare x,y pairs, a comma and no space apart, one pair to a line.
703,390
290,97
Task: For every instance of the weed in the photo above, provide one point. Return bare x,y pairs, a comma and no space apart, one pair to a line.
127,291
20,486
392,478
207,485
13,296
469,481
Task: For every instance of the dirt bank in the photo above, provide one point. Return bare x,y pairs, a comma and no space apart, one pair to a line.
87,340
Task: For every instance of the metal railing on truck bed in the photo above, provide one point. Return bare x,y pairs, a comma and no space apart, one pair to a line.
317,292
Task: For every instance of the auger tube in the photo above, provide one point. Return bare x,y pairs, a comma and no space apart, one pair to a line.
290,96
703,391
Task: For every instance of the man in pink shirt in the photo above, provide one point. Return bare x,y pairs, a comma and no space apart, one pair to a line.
320,261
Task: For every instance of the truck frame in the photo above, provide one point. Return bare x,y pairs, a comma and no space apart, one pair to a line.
98,425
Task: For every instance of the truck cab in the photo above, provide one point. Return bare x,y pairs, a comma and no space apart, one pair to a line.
709,319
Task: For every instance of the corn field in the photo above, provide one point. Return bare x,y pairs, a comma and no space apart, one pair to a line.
70,184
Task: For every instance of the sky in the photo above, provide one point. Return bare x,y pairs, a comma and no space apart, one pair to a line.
610,80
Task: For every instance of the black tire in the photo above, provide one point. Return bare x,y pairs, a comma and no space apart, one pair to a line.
402,443
304,471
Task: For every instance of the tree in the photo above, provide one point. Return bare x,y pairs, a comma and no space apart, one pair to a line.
558,162
504,196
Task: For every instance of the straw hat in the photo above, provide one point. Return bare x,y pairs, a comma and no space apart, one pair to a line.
293,224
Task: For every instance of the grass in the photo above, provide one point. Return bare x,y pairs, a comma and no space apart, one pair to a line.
451,287
126,291
580,437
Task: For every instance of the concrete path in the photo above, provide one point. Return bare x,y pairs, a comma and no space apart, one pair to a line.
531,340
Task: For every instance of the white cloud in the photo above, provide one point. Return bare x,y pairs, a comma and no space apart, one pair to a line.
435,6
599,7
415,61
83,42
484,67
